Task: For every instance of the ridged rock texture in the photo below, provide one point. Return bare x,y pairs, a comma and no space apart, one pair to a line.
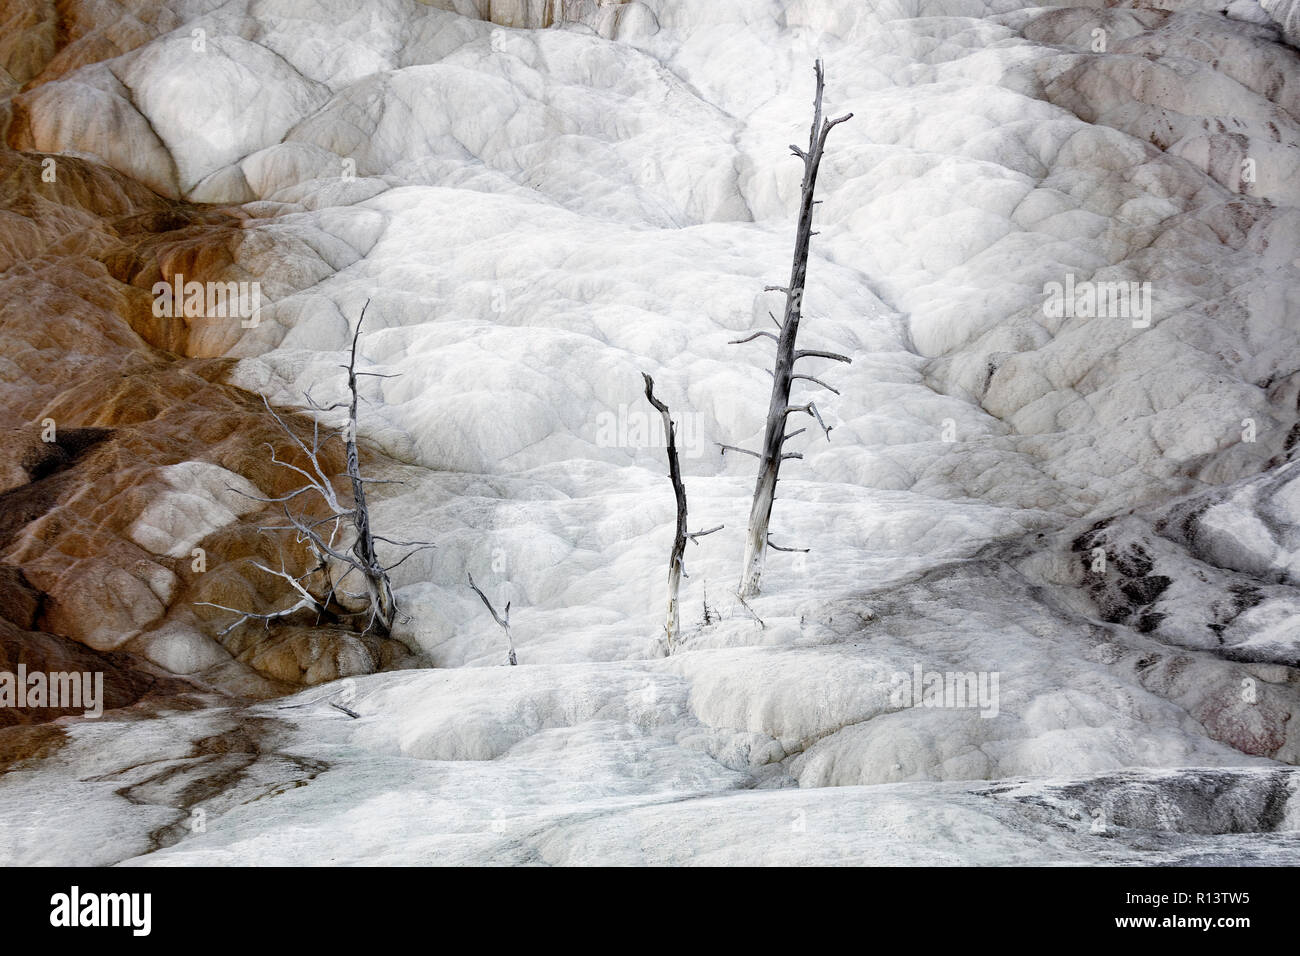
542,199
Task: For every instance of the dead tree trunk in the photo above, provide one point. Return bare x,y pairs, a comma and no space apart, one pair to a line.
676,569
503,622
378,586
784,374
381,609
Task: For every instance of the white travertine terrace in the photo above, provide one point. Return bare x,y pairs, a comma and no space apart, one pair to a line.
542,205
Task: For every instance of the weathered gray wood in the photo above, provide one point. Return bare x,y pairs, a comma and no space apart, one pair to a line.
676,557
502,621
783,376
381,608
377,584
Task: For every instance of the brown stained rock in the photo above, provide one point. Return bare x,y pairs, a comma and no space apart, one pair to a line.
34,474
26,744
1254,724
80,347
127,679
238,764
298,654
29,37
94,32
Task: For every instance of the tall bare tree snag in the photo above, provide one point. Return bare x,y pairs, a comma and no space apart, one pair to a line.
378,587
327,579
784,374
504,622
676,570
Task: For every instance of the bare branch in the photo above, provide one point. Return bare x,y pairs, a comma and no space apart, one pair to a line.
424,547
322,408
777,547
744,451
811,409
504,622
307,602
264,500
700,534
817,353
751,337
293,582
251,616
491,610
404,544
815,381
307,533
298,523
381,609
322,485
321,482
830,124
752,612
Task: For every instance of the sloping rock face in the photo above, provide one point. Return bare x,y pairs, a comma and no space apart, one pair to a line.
1236,120
126,679
1089,506
1286,13
608,18
122,457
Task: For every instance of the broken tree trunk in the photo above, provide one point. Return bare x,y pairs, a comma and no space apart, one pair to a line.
784,375
503,622
381,609
676,569
378,586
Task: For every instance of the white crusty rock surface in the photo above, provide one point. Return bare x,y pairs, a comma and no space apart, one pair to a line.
544,199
